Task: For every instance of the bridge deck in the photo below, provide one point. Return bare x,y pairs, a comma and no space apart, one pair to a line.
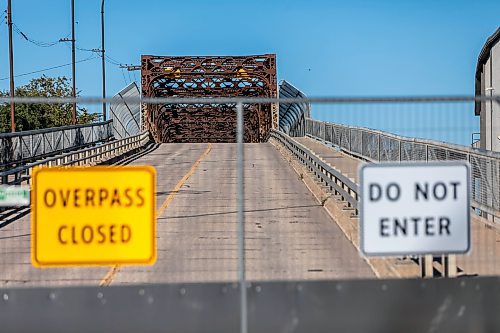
484,257
288,233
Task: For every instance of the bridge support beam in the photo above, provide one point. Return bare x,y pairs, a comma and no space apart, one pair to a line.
450,265
426,267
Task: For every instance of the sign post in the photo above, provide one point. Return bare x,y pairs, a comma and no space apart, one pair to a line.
415,209
93,216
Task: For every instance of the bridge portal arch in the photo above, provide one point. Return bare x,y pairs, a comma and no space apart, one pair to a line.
208,76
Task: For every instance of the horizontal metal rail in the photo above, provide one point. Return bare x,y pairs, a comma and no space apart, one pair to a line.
51,129
226,100
337,182
28,146
377,146
88,156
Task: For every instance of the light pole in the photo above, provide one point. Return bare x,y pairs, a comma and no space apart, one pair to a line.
11,63
73,57
103,64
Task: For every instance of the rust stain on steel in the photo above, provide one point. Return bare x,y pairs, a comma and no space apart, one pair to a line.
208,76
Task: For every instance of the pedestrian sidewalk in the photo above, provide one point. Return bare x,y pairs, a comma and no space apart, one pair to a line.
484,256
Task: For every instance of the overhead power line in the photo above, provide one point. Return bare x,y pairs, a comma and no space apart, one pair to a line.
124,79
131,67
34,41
97,50
107,58
128,67
113,61
4,17
50,68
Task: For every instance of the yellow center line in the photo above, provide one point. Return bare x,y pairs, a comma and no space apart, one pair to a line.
108,278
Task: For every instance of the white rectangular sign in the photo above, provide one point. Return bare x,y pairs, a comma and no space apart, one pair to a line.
415,208
14,195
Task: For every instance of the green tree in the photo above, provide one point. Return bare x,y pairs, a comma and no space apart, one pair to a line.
36,116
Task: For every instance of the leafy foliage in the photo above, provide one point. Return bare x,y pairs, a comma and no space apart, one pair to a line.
36,116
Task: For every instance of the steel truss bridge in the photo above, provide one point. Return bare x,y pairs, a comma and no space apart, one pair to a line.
243,76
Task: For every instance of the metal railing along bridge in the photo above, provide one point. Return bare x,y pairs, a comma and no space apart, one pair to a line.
377,146
28,146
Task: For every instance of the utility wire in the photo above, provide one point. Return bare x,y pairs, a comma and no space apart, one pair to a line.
129,78
124,79
110,60
113,61
38,43
4,17
50,68
34,41
96,50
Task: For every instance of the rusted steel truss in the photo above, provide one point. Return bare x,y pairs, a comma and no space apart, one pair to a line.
245,76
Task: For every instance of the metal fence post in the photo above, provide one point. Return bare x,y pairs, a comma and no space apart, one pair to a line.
379,147
20,146
331,135
31,146
29,173
43,143
362,146
426,267
450,265
241,218
400,150
349,139
340,136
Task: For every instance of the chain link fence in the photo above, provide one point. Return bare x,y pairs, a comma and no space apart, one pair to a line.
285,209
377,146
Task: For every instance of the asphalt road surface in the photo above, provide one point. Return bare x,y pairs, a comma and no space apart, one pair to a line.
288,234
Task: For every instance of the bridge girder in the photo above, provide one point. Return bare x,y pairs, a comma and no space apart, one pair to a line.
208,76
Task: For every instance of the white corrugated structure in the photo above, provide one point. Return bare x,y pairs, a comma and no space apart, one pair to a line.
488,84
292,115
126,116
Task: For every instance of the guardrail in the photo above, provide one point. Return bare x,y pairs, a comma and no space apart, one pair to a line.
87,156
338,183
27,146
378,146
348,191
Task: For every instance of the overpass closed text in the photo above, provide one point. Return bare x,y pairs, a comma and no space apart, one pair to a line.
94,215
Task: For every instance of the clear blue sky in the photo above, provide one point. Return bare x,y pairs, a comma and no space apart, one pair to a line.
339,48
